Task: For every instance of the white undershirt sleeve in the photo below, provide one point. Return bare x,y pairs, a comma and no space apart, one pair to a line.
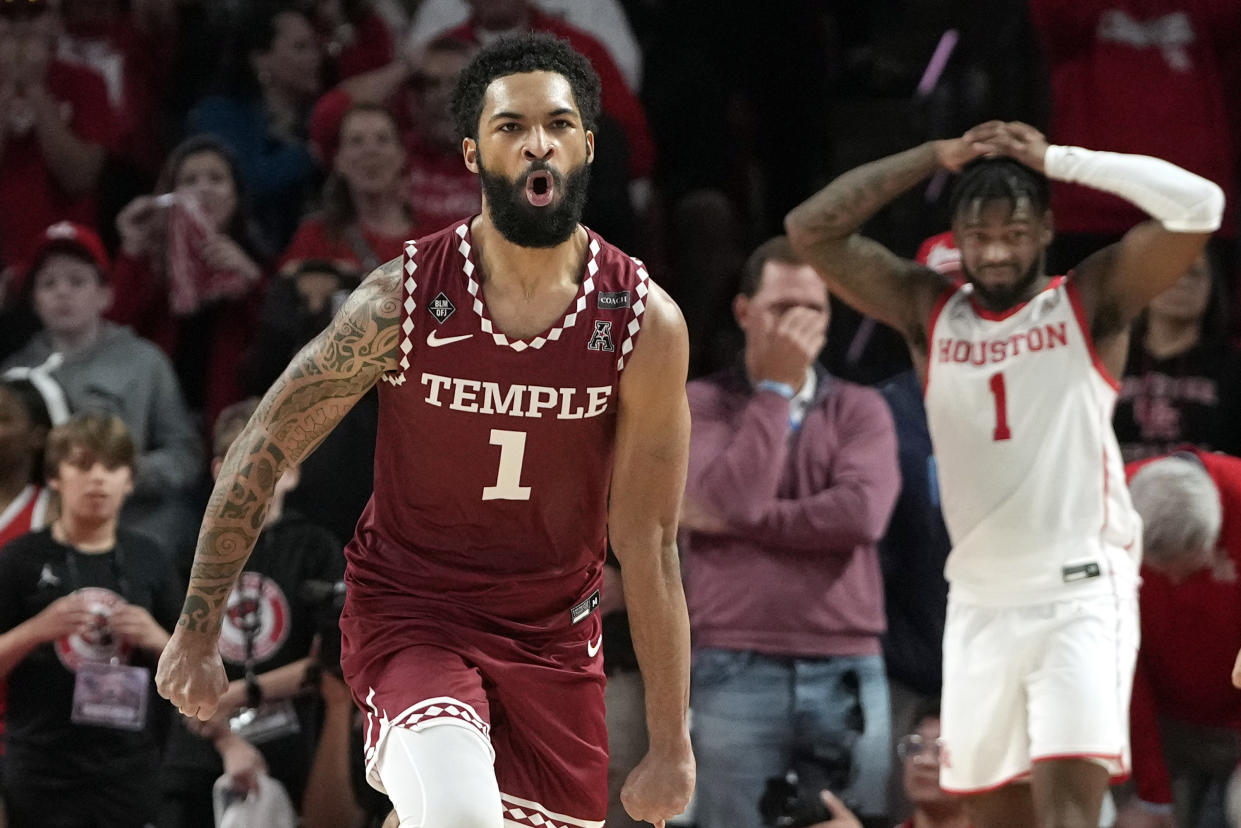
1180,200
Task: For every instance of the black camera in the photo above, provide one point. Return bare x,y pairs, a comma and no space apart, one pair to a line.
785,804
792,800
327,599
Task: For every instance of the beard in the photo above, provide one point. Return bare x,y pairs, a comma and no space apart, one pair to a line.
1006,296
521,222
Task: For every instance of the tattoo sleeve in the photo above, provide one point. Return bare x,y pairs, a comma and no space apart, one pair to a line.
823,229
318,388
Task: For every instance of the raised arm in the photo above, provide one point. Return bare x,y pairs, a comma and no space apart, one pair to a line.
313,394
648,477
1120,280
824,231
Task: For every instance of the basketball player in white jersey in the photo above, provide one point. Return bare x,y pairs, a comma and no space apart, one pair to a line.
1019,372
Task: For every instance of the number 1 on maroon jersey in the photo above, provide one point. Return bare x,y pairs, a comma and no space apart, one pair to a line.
508,479
1001,408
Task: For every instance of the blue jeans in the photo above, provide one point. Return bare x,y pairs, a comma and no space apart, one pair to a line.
758,716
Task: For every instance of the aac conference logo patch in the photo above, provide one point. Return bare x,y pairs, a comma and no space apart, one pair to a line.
257,609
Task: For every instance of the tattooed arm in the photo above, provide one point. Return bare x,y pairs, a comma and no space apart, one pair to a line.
824,231
314,393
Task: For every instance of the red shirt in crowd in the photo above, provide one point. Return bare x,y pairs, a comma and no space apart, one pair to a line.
313,241
30,198
1140,76
1191,633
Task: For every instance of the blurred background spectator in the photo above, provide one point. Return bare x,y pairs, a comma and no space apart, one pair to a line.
107,368
270,79
56,126
189,273
1121,73
792,478
1185,720
1182,380
277,610
85,607
336,480
605,20
364,217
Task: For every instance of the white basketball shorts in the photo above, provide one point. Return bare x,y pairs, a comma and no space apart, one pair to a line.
1030,683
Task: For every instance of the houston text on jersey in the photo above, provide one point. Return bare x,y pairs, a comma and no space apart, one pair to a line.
989,351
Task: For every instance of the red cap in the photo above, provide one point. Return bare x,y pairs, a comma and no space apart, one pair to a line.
325,120
940,253
69,237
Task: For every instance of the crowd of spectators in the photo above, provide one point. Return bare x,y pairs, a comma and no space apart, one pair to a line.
189,189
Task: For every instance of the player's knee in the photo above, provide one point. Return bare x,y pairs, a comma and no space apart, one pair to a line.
440,778
1069,815
460,812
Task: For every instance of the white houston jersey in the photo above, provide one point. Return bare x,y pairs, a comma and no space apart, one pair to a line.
1032,485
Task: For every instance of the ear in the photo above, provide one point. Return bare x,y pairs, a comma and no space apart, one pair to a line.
1049,228
469,151
106,296
216,464
590,147
741,309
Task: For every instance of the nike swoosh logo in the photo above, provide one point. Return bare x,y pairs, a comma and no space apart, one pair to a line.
435,341
592,650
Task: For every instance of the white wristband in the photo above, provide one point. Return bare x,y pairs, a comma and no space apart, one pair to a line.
1178,199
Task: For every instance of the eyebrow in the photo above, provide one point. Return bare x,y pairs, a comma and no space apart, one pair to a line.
517,116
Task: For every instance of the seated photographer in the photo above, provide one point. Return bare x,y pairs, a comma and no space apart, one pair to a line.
264,724
920,757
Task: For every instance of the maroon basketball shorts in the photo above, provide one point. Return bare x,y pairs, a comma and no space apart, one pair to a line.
536,699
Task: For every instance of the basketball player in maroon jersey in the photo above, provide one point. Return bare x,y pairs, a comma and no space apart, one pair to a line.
532,408
1041,633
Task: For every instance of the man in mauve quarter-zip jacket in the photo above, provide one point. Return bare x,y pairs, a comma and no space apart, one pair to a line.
792,478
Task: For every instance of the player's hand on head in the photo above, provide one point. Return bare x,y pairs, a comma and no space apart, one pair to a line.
660,786
955,153
1023,143
191,675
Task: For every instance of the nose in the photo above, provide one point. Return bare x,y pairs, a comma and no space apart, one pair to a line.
539,145
995,252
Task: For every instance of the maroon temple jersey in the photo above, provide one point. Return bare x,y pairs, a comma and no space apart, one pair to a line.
494,455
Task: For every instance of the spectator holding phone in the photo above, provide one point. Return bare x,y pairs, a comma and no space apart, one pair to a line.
189,273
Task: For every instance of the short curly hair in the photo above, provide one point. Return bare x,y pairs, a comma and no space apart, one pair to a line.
512,55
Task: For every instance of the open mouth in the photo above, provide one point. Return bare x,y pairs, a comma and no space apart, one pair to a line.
540,188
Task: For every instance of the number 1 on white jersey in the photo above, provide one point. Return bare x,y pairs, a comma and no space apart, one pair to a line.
1001,408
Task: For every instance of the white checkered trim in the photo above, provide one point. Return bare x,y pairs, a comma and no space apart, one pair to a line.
570,318
442,710
639,306
407,315
522,813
